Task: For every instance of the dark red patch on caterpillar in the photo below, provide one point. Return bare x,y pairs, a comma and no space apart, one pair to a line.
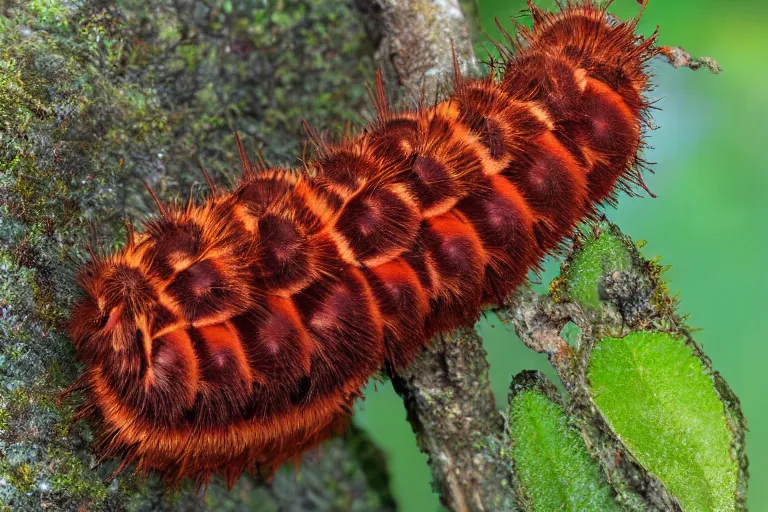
233,335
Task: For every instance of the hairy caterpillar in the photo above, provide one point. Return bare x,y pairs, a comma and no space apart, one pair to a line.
233,335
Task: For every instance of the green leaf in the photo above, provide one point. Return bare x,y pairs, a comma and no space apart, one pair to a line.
584,273
660,399
554,470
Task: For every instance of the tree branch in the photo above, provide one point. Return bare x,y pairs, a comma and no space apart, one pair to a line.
414,40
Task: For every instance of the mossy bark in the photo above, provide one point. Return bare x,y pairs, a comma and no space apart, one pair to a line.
94,98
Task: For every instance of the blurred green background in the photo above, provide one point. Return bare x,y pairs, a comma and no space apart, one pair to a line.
710,221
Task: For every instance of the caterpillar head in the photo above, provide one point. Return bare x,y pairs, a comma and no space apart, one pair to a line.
187,269
119,299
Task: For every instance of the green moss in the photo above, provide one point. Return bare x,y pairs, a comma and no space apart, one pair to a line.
17,399
24,478
551,461
5,418
72,477
57,376
660,400
21,476
583,276
50,14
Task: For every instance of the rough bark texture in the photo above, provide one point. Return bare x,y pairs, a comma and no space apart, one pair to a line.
452,411
414,40
95,97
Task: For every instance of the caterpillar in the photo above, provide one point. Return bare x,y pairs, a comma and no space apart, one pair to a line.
233,335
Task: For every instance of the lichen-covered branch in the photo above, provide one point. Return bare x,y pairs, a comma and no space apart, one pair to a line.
451,409
415,40
679,58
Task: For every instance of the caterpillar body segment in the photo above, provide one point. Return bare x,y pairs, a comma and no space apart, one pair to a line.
233,335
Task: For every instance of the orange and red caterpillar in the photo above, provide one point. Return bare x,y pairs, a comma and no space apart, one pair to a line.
233,335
